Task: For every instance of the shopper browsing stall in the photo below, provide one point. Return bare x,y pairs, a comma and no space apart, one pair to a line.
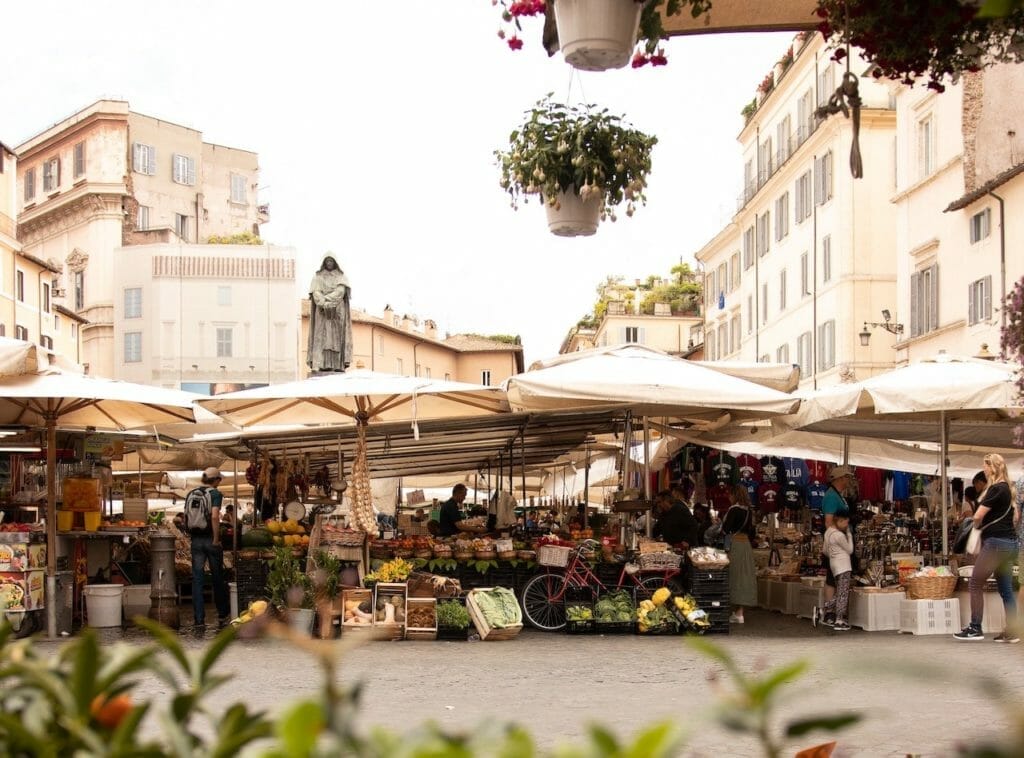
739,529
675,524
832,505
838,547
996,516
451,512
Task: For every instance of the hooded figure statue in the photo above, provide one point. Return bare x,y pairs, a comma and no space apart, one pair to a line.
330,320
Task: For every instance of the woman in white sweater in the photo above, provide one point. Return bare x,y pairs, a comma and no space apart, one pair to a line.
838,547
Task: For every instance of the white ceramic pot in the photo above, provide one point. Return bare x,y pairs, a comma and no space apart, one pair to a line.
597,35
571,217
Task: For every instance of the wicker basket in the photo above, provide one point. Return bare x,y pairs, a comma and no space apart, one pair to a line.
486,555
507,555
425,553
554,555
462,555
660,560
345,539
526,555
930,587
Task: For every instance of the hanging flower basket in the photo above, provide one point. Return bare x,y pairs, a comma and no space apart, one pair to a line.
597,35
580,161
569,215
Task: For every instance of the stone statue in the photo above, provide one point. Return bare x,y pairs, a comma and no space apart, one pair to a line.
330,319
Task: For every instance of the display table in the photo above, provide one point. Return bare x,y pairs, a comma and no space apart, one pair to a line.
875,611
808,597
783,596
994,618
762,592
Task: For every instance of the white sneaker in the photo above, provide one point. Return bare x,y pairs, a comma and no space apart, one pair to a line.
735,619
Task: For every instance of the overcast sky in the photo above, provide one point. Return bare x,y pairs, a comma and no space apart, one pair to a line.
376,122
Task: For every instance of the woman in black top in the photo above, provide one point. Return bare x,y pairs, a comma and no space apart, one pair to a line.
996,516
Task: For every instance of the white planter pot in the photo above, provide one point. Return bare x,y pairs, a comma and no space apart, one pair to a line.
597,35
571,217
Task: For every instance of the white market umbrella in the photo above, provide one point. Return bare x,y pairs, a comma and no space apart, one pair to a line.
357,397
360,394
944,398
55,398
647,381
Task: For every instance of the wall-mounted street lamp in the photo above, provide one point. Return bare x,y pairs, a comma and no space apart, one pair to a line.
886,323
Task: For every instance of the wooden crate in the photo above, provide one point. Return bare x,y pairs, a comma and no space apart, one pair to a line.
360,595
387,591
421,632
482,627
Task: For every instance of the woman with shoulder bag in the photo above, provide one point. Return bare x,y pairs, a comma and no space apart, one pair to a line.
738,530
994,523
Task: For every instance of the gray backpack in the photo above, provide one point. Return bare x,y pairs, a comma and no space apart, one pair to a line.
198,509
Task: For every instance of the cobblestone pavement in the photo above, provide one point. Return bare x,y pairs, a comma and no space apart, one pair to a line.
918,694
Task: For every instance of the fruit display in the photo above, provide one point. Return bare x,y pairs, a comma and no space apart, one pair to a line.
578,613
615,607
499,607
390,610
655,618
421,616
686,607
358,612
256,608
451,614
288,533
396,570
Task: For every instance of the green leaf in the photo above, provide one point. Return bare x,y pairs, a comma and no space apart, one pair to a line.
655,741
167,640
761,690
604,741
518,744
996,8
84,666
832,723
299,727
128,661
216,648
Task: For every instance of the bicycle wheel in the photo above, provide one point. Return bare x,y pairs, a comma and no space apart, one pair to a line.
652,583
542,601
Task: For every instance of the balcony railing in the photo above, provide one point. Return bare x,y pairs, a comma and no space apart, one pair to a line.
776,161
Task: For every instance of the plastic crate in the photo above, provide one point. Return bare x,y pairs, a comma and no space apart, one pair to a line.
930,616
809,597
875,611
709,576
608,573
582,597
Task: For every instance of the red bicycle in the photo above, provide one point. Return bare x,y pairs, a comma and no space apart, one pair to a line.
543,596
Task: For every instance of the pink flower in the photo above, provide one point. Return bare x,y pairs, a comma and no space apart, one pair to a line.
514,43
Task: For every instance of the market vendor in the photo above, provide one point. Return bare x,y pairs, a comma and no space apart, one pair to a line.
675,524
451,512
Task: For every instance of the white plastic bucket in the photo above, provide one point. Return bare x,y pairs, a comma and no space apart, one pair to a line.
103,604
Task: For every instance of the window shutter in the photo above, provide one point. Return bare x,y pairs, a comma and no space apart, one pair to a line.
933,298
640,336
972,313
135,156
191,163
622,335
986,306
915,305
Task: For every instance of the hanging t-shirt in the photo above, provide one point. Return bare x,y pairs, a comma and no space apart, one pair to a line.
768,498
796,471
869,483
771,470
751,486
816,495
720,497
791,495
721,467
900,485
817,471
749,466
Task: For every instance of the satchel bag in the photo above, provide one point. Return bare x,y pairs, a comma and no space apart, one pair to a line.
974,540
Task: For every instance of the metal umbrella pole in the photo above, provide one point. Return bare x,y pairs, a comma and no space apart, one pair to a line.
586,490
649,528
51,520
944,481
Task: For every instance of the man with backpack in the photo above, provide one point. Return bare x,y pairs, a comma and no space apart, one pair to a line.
202,523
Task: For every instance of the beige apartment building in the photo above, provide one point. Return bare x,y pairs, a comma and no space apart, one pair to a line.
810,254
205,318
106,178
623,320
28,284
394,344
960,211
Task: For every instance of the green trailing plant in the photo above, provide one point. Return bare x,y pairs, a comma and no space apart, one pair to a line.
1012,342
581,149
326,575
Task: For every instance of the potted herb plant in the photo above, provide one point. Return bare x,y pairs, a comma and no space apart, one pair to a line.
291,591
326,584
597,35
582,162
452,619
